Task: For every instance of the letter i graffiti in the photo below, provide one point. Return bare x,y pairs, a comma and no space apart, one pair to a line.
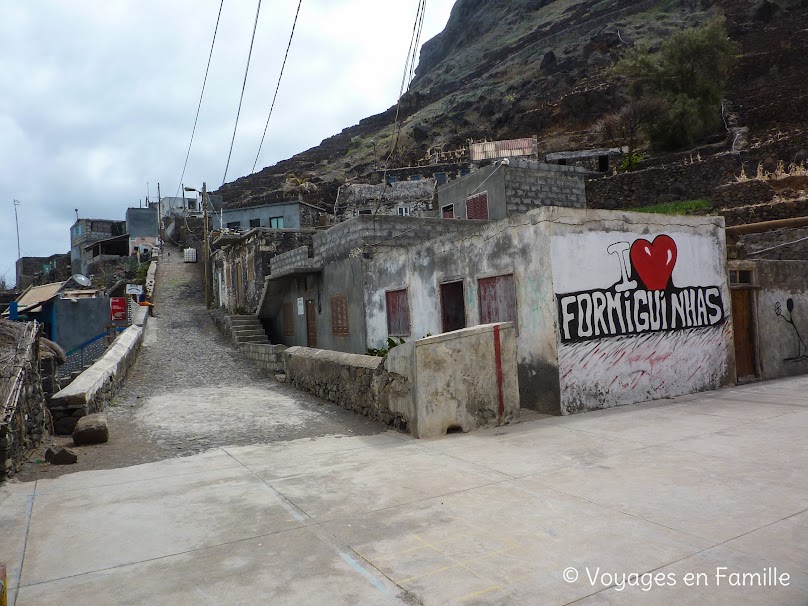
621,249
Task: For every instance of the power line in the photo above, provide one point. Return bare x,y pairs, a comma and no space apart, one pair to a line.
277,88
241,98
199,107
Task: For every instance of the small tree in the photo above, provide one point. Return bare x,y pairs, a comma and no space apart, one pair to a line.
628,127
688,74
298,184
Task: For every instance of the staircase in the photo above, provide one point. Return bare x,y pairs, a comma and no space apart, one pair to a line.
247,329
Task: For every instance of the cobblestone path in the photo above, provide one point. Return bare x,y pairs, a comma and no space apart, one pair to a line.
191,390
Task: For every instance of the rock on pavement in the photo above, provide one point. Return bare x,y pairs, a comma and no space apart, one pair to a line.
56,455
91,429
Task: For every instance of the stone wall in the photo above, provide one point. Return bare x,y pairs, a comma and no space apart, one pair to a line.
663,184
22,415
95,387
416,195
355,382
265,356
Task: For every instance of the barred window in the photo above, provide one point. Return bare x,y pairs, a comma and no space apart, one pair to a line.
339,315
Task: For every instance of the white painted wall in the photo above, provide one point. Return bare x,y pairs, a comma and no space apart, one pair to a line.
622,369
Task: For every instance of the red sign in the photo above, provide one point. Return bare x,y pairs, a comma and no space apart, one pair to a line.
117,309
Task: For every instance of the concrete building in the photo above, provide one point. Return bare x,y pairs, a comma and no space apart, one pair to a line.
290,214
609,307
596,160
241,262
35,271
87,231
500,190
142,225
412,198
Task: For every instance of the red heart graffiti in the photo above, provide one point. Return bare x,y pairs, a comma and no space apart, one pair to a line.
654,262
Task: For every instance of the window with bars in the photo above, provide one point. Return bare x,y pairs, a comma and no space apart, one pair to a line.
339,315
497,299
398,313
288,320
477,206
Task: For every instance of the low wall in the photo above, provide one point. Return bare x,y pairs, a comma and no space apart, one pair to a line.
462,380
355,382
265,356
94,388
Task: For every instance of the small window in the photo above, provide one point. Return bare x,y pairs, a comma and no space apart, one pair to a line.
477,206
447,212
255,222
562,162
740,276
497,299
441,178
234,225
365,211
404,211
288,320
276,222
398,313
339,315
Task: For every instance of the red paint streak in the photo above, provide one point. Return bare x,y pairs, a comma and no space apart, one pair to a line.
498,358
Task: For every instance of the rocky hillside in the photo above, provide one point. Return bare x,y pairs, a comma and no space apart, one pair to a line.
540,67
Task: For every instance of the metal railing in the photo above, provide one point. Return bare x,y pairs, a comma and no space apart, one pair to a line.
83,355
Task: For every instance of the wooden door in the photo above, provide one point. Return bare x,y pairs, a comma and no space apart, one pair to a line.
311,323
743,328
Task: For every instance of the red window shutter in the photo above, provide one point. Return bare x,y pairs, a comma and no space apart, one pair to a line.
398,313
477,206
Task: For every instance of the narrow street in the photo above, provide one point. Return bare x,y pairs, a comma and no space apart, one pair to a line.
191,391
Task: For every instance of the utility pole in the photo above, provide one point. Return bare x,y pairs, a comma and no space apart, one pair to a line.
17,221
206,247
160,217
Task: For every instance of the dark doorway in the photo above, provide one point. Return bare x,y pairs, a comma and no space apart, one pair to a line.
311,323
453,306
743,327
603,164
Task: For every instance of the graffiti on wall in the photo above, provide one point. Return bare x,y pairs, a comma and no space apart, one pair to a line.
802,350
644,299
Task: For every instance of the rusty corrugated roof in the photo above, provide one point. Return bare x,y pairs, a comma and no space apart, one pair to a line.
493,150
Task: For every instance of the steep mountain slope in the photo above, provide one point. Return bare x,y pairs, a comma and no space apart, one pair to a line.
540,67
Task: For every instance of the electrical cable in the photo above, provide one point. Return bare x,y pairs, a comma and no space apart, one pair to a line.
278,86
199,107
243,88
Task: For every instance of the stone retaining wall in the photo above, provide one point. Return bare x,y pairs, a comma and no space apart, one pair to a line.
355,382
265,356
22,413
95,387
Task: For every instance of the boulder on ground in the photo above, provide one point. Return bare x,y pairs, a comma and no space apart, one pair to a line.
56,455
91,429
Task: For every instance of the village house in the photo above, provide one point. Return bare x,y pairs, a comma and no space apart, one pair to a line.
86,231
287,214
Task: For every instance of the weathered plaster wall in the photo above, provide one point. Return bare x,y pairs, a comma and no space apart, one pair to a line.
518,245
781,327
490,179
644,346
466,379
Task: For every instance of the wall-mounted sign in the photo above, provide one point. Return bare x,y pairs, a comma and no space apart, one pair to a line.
134,289
301,307
117,310
644,300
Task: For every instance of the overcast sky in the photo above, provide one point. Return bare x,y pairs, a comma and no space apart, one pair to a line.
98,97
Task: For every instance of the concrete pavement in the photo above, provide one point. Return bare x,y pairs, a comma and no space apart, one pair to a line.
690,493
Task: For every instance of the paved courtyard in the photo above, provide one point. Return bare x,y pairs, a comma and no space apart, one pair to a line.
689,493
